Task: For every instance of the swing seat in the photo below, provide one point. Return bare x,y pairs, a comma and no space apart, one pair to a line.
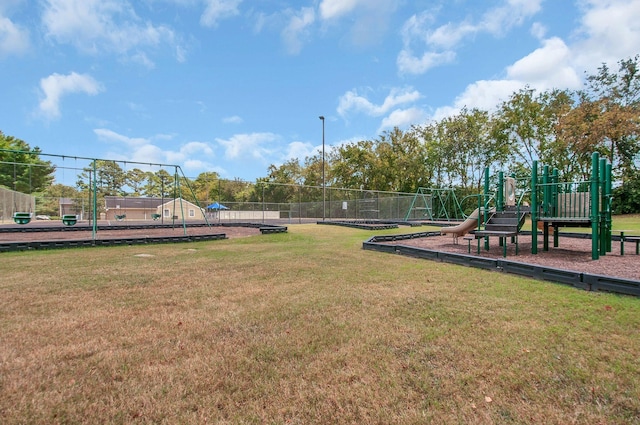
155,216
121,217
69,219
22,217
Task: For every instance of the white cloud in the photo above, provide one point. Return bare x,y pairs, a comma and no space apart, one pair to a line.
217,10
191,155
56,86
538,30
408,63
609,31
547,67
243,145
234,119
331,9
111,136
352,101
14,39
297,29
196,148
142,59
369,19
301,150
96,26
501,19
403,118
439,43
483,94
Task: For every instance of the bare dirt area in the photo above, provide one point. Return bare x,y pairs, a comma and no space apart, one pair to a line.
57,234
571,254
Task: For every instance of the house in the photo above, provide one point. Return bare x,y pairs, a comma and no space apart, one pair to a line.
142,208
178,208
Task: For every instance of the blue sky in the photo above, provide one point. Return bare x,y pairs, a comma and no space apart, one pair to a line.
233,86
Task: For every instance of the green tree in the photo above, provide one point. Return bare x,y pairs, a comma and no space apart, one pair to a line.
610,110
21,168
282,183
527,124
354,164
207,186
134,180
108,179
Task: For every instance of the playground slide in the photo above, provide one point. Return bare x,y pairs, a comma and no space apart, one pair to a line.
463,228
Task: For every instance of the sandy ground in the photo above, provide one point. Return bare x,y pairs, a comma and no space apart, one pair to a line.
571,254
230,232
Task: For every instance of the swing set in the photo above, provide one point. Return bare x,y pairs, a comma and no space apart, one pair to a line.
23,214
435,204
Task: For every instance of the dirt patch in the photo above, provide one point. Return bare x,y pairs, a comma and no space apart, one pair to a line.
571,254
230,232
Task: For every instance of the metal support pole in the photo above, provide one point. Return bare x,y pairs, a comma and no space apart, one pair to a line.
324,186
595,166
534,208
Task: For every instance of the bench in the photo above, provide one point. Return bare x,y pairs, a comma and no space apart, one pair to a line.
120,217
470,238
155,216
624,239
274,229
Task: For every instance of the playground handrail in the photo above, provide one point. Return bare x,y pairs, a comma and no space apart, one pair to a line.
491,198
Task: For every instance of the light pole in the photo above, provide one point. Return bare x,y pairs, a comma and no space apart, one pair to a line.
324,186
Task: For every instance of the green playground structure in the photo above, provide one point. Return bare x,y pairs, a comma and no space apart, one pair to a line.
556,203
551,201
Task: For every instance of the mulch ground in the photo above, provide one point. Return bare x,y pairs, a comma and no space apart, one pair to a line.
571,254
55,234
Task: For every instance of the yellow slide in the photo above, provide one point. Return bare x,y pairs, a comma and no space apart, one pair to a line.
463,228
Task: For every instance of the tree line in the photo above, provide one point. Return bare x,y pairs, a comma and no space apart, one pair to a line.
559,128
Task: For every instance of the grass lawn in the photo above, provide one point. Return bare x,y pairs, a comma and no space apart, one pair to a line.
301,328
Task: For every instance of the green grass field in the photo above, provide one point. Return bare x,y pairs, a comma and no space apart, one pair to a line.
305,327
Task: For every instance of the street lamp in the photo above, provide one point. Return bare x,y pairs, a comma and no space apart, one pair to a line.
324,187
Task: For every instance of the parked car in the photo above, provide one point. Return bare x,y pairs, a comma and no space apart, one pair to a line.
43,217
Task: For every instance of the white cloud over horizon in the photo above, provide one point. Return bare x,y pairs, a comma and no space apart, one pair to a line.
56,86
103,26
14,38
217,10
439,43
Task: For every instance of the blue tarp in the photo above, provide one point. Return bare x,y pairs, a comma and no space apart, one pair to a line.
216,206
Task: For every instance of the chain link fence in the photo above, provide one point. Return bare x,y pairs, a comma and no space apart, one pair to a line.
12,202
306,204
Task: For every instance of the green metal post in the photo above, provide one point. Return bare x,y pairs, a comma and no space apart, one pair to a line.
94,228
485,202
500,194
176,184
534,208
554,203
546,196
602,206
595,160
608,205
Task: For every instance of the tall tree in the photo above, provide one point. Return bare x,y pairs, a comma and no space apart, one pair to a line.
109,178
607,116
282,183
21,167
527,124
